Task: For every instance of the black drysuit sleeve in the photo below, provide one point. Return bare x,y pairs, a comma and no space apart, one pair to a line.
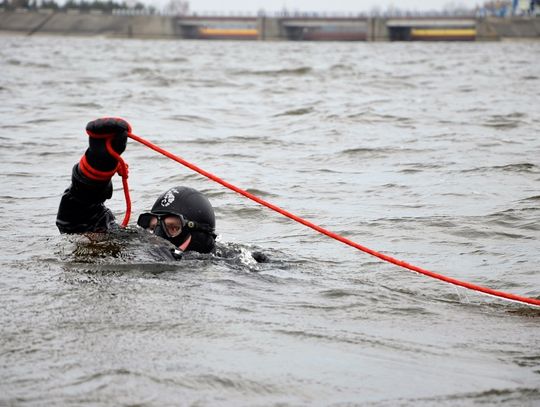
81,207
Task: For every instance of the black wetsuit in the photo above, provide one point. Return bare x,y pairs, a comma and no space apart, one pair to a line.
82,209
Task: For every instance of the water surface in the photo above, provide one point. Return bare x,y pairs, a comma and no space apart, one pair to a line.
427,152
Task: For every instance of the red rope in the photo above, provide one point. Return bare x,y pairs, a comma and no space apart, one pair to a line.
389,259
92,173
122,170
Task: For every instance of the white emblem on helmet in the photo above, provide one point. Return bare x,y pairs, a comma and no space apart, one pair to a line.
169,197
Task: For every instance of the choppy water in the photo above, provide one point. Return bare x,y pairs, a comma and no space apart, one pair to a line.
428,152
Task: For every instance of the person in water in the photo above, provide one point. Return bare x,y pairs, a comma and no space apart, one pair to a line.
181,215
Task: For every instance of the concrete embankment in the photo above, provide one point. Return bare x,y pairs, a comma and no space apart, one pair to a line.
504,28
269,28
147,26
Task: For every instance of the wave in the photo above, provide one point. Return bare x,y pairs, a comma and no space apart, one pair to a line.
187,118
517,167
296,112
303,70
377,151
505,122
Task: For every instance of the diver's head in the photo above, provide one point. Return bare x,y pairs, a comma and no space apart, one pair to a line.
184,217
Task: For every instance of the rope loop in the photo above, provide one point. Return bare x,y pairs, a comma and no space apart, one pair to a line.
100,136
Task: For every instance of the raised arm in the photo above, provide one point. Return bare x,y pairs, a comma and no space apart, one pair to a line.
81,207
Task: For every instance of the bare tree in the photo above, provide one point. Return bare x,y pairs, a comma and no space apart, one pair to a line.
177,7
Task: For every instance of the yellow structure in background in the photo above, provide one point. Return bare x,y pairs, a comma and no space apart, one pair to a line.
228,32
443,33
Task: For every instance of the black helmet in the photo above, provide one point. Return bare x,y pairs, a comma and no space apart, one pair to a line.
198,215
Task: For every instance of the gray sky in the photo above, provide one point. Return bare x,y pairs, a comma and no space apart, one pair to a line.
317,5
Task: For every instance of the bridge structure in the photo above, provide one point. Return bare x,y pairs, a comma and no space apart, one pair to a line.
280,28
327,28
302,28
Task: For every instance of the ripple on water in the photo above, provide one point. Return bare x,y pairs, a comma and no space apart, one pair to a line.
297,112
505,122
517,167
303,70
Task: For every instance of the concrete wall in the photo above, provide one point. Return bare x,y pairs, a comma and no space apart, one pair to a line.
270,29
88,24
21,22
495,29
485,31
377,30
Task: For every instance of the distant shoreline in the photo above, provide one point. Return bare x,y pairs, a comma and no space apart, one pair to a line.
299,28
